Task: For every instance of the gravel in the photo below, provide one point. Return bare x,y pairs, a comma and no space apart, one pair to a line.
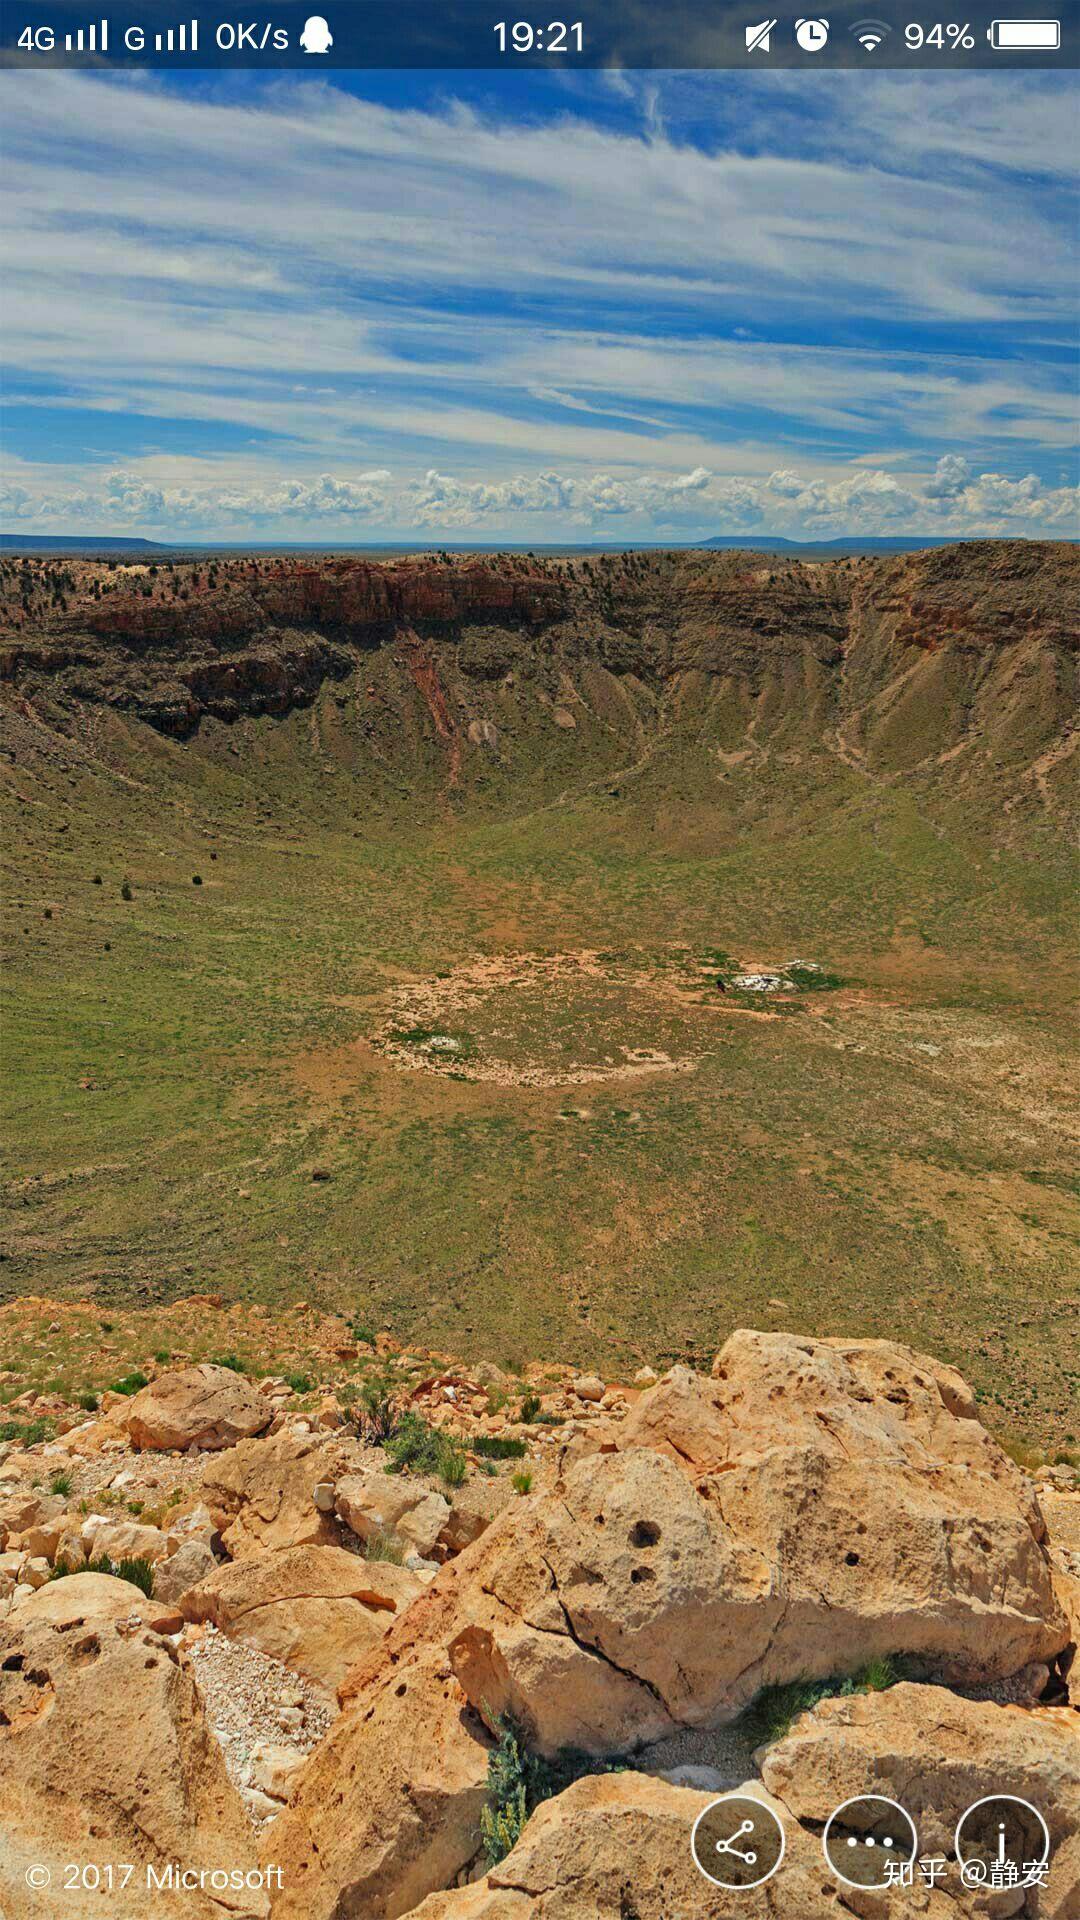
249,1697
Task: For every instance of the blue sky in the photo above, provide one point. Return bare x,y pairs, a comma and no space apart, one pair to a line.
527,307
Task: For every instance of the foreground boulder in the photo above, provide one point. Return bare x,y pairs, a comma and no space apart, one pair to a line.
203,1406
105,1755
618,1845
388,1806
317,1609
861,1472
938,1754
815,1505
85,1599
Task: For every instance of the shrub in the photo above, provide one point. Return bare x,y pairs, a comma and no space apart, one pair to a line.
521,1482
299,1382
196,879
130,1383
422,1449
89,1402
125,891
497,1446
26,1432
230,1360
377,1417
60,1483
385,1546
517,1782
529,1409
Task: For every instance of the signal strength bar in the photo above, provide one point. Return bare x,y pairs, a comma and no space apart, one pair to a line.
182,39
93,39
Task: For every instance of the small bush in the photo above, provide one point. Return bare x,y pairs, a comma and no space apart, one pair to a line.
26,1432
125,891
418,1448
529,1409
299,1382
497,1446
385,1546
521,1482
519,1780
130,1383
196,879
377,1416
230,1360
89,1402
60,1483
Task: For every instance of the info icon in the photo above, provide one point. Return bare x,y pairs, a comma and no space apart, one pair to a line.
870,1842
1001,1842
737,1841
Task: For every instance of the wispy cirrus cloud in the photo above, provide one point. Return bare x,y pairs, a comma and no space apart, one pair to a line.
298,306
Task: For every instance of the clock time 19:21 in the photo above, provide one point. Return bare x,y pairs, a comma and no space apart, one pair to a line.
559,36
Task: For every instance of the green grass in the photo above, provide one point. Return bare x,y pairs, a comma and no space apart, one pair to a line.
519,1780
137,1571
496,1446
776,1709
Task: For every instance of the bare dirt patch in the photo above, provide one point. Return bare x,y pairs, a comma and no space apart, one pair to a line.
543,1020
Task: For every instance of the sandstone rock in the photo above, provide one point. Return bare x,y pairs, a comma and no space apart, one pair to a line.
645,1377
473,1507
86,1599
813,1506
105,1755
272,1769
618,1845
588,1387
938,1754
318,1609
375,1503
268,1487
202,1406
388,1805
122,1540
191,1563
35,1571
861,1470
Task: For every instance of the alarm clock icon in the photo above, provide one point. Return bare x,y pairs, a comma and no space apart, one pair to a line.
811,34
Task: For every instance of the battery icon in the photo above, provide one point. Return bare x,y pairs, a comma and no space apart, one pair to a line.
1025,36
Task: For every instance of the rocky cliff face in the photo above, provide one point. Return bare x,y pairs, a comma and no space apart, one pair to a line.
890,663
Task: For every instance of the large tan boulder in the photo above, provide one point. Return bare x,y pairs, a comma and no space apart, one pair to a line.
823,1504
388,1805
202,1406
859,1470
616,1846
265,1490
937,1755
105,1756
85,1599
122,1540
395,1505
317,1609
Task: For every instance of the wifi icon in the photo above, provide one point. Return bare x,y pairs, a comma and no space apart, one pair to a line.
870,33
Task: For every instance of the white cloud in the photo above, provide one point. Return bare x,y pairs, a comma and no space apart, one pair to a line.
206,499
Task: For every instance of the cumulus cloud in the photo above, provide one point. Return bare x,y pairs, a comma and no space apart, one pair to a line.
387,503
